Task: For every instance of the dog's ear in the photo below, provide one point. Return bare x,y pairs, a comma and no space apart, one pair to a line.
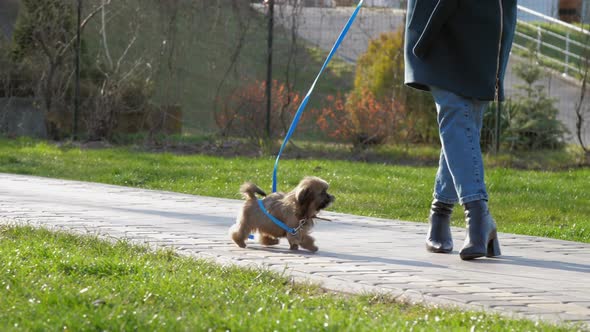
304,194
304,198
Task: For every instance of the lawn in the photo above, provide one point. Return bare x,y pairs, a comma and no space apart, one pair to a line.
543,203
57,281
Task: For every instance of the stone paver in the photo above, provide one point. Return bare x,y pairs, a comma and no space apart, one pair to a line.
535,278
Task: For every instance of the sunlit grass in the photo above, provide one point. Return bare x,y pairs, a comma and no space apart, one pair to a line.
52,281
542,203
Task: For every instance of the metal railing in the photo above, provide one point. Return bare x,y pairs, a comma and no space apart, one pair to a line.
566,55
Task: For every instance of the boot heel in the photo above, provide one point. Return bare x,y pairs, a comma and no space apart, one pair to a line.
494,247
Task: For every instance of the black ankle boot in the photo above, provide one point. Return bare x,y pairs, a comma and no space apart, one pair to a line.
439,237
482,238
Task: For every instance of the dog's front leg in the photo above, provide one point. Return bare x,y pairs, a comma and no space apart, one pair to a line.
308,243
294,241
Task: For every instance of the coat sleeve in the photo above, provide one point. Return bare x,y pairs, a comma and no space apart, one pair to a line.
443,10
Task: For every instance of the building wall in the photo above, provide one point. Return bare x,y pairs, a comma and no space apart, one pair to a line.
20,117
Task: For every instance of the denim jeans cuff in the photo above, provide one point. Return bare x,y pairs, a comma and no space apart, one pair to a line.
444,199
471,198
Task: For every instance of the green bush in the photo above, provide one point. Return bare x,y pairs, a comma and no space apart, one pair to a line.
533,122
51,21
380,70
529,121
15,78
39,63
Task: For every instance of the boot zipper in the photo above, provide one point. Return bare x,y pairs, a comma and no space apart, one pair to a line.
497,92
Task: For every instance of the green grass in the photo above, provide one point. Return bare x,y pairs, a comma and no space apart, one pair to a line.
52,281
542,203
428,155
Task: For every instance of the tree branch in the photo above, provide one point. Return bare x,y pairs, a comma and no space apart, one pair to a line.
103,31
125,52
83,25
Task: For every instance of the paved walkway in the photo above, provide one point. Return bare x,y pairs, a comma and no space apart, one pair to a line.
535,278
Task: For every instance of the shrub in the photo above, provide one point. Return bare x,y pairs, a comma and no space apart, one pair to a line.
243,113
488,132
114,101
41,66
42,61
42,23
533,124
380,70
528,122
333,119
362,119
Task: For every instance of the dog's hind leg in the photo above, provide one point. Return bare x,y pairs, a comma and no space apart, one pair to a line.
268,240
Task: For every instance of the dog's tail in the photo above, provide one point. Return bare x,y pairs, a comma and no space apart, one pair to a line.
249,190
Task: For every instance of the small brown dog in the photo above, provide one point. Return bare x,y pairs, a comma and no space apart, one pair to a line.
296,209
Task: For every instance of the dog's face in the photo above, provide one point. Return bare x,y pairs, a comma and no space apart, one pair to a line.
312,196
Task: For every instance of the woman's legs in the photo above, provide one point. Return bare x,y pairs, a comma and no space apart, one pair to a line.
460,176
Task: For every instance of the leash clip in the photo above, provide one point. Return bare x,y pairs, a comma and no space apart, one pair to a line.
301,223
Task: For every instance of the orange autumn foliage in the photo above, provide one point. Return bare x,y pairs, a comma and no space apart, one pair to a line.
361,119
244,112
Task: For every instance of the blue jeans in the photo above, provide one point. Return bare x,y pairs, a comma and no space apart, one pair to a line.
460,176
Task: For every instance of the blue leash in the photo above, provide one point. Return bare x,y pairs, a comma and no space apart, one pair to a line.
277,221
306,99
298,116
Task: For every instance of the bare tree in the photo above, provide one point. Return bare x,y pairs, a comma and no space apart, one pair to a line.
49,26
244,22
294,15
121,76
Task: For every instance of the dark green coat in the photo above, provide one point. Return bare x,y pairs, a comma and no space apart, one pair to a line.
459,45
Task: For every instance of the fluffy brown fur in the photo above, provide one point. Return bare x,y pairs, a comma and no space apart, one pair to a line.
300,204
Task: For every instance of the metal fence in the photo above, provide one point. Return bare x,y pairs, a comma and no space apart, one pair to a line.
563,50
553,40
561,46
193,60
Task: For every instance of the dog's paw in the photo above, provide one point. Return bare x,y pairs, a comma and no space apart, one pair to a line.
241,244
313,248
268,241
294,247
